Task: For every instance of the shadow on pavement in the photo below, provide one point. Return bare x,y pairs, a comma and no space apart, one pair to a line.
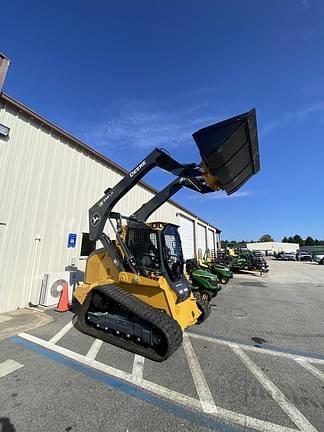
6,425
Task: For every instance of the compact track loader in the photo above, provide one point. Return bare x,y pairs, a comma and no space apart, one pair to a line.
135,295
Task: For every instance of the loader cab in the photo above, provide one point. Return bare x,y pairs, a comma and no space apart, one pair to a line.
156,248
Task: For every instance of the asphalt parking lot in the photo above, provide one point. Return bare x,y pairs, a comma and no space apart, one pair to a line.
256,364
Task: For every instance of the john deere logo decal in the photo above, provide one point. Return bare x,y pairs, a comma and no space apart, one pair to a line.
95,219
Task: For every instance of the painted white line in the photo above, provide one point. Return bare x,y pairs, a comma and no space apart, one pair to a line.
78,357
296,416
172,395
138,369
9,366
94,349
4,318
61,333
257,350
189,402
204,394
313,370
220,413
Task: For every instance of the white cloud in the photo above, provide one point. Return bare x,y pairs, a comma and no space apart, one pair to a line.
147,128
296,116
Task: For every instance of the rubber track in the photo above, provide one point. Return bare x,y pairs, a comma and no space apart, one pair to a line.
205,307
153,317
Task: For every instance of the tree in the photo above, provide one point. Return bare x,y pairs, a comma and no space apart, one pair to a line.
299,240
266,238
224,244
284,240
291,240
309,241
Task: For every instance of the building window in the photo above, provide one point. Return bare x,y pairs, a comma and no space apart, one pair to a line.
87,245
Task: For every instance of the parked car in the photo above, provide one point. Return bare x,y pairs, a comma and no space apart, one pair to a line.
304,256
288,256
318,257
258,253
321,261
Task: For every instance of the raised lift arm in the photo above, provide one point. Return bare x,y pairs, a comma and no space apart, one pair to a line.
230,156
196,184
102,210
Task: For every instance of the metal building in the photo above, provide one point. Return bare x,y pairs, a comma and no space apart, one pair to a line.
271,247
48,181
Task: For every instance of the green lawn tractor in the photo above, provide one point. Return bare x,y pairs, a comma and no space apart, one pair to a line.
242,260
204,284
223,272
245,260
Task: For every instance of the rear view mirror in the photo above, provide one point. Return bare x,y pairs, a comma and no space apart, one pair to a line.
230,151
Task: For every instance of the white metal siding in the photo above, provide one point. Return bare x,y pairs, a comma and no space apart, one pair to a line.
274,246
201,239
217,241
210,239
186,231
47,185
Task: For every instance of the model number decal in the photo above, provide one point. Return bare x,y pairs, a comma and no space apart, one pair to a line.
102,202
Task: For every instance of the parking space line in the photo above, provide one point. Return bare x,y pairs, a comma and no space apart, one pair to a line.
76,356
313,370
58,336
9,366
296,416
138,369
221,413
260,350
193,416
172,395
164,392
94,349
204,394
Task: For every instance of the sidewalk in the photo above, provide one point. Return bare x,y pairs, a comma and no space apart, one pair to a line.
22,320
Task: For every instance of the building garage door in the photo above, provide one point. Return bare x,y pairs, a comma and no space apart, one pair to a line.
210,239
186,231
201,240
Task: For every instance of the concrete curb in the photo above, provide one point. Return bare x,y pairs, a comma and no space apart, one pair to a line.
21,320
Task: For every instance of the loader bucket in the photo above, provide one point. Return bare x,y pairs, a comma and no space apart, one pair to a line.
230,150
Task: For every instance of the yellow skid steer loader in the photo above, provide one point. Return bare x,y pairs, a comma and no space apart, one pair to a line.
135,294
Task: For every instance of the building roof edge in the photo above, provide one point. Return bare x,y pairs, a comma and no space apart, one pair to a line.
20,106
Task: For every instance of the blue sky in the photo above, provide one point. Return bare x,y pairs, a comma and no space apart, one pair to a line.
128,76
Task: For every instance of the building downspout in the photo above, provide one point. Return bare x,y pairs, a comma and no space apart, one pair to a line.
37,241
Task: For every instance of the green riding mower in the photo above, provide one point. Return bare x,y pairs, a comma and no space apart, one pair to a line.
223,272
204,284
247,261
243,259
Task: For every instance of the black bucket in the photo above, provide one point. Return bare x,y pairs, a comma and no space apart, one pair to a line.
230,150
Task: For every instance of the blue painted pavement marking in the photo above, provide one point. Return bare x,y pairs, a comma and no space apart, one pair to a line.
197,418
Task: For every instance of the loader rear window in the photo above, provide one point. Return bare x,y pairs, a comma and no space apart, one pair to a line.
143,245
